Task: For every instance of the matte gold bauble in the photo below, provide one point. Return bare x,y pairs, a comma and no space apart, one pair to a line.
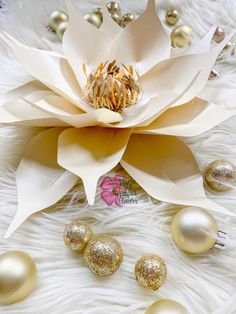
113,7
56,18
219,35
117,18
103,255
127,18
61,30
98,11
166,307
18,276
77,235
181,36
220,175
172,17
194,230
150,271
94,19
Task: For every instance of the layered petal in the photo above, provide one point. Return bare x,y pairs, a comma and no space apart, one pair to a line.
91,152
41,182
143,43
190,119
166,169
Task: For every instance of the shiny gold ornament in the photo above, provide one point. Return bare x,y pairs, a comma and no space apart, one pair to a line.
213,75
94,19
181,36
116,18
18,276
77,235
98,11
61,30
103,255
56,18
127,18
219,35
113,8
166,307
172,17
220,175
194,230
150,271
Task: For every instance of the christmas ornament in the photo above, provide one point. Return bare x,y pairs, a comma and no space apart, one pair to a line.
77,235
127,18
113,8
61,30
103,255
18,276
220,175
214,74
150,272
117,18
98,11
166,307
181,36
56,18
219,35
172,17
94,19
194,230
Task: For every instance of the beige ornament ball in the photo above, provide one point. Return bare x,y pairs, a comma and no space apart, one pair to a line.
18,275
220,175
56,18
151,271
127,18
172,17
113,7
61,30
194,230
103,255
77,235
94,19
181,36
219,35
166,307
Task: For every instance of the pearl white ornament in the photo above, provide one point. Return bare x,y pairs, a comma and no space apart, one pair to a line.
166,307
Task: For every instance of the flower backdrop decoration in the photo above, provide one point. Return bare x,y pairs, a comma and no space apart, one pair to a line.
114,96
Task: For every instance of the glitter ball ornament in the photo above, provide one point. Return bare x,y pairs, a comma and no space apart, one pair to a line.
56,18
77,235
150,271
220,175
166,307
103,255
181,36
172,17
219,35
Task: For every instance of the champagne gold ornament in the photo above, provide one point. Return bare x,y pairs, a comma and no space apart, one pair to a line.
117,18
127,18
18,276
172,17
94,18
61,30
194,230
166,307
98,11
56,18
113,8
181,36
213,75
103,255
77,235
150,271
220,175
219,35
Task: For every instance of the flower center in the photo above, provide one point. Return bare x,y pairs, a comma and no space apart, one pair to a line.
111,87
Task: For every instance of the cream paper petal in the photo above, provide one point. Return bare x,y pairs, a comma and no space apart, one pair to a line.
49,68
91,152
190,119
109,26
166,169
83,43
143,43
172,74
41,182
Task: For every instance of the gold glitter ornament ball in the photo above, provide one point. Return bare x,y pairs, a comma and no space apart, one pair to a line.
56,18
103,255
172,17
94,19
77,235
18,275
181,36
166,307
150,271
220,175
194,230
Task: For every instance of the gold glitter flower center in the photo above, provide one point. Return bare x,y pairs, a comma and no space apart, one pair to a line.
111,87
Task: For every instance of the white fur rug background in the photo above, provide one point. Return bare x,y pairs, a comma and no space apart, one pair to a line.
205,284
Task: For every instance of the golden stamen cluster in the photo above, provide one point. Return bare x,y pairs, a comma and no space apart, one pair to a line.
111,87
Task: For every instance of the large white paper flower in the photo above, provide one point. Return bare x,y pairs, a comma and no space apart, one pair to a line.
102,112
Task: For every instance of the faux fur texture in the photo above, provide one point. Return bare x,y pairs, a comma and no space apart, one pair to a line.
205,284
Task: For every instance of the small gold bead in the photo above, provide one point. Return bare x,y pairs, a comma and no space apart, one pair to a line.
77,235
166,307
94,19
181,36
98,11
113,7
117,18
61,30
150,271
103,255
213,75
172,17
220,175
56,18
127,18
219,35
